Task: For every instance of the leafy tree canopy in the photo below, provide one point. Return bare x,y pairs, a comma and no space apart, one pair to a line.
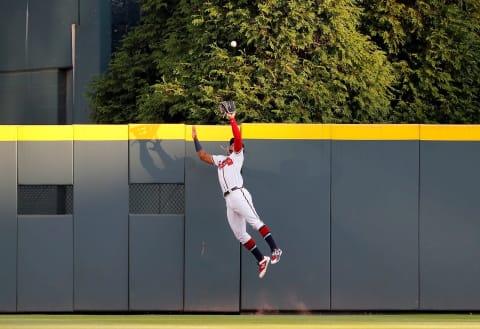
296,61
434,47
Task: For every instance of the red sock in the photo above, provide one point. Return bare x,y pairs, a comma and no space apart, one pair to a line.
251,246
265,232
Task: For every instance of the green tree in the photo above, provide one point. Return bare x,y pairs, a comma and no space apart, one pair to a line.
296,61
434,47
115,95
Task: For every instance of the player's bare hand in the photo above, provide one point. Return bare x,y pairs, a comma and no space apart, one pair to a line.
231,116
194,132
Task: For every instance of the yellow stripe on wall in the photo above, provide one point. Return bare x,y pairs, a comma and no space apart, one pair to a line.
156,131
450,132
100,132
375,132
285,131
249,131
8,133
45,133
221,133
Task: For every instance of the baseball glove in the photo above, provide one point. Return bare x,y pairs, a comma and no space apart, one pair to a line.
227,107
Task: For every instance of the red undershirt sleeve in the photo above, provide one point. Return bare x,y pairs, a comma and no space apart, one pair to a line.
237,145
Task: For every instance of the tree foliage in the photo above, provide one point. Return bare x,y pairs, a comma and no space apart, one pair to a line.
115,95
434,47
296,61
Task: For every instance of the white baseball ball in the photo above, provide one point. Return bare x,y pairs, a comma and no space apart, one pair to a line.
233,43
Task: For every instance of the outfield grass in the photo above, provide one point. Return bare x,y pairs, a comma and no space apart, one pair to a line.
331,321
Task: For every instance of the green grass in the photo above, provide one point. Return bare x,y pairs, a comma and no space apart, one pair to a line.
330,321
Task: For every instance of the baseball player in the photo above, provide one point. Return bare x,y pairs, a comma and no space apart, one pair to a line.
238,200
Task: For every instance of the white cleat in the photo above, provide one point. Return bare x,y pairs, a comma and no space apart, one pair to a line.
276,254
262,266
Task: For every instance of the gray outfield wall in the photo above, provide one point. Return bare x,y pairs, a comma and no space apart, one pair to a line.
50,51
126,218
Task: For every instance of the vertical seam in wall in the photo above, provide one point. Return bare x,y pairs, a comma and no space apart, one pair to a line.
17,235
73,223
330,212
240,280
128,262
418,227
128,220
184,222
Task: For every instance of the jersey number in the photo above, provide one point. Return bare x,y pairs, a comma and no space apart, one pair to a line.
226,162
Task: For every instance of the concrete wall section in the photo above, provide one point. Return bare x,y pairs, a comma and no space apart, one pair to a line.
289,180
36,55
101,218
92,51
45,263
374,225
13,97
449,225
212,254
37,97
13,15
36,36
8,218
370,218
49,41
47,159
156,243
156,262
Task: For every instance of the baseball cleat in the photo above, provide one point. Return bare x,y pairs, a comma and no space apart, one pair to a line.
276,254
262,266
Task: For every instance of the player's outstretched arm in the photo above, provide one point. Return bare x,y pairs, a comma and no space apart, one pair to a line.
204,156
238,144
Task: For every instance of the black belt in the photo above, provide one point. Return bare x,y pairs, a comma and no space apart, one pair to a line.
231,190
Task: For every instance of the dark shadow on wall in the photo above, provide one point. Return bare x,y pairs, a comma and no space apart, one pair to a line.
154,155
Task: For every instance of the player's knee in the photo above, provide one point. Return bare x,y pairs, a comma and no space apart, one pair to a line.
259,225
243,237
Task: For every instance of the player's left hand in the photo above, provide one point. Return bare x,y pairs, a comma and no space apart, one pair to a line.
231,116
194,132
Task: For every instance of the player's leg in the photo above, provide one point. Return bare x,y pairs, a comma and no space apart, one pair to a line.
247,210
239,229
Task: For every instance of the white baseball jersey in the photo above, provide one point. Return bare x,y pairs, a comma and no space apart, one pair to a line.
240,209
229,168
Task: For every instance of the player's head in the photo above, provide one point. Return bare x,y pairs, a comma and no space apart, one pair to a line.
230,148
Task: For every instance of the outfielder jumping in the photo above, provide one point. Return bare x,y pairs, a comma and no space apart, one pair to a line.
238,200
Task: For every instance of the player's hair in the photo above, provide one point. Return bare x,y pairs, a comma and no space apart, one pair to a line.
232,140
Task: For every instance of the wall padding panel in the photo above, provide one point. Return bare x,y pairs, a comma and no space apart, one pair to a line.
449,225
8,218
212,254
290,185
45,263
43,159
156,262
101,218
374,225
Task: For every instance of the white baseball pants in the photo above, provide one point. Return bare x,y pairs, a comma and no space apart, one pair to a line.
240,210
